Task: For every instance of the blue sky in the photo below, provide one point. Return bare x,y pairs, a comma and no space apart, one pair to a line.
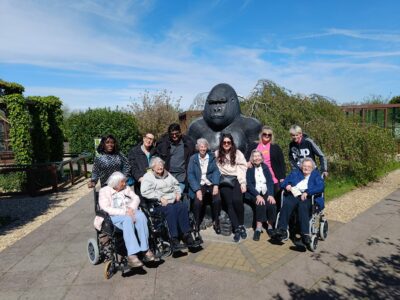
95,53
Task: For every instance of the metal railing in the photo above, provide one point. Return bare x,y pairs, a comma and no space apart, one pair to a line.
40,177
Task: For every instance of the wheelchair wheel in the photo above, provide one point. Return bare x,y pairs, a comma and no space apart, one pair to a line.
93,251
164,249
288,236
313,244
323,230
109,270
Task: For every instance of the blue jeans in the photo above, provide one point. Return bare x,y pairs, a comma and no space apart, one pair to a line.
133,243
303,208
177,218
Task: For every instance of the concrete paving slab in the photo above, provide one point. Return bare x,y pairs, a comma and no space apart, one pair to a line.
44,293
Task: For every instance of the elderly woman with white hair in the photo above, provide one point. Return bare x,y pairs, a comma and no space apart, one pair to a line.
299,186
203,178
260,190
121,203
159,184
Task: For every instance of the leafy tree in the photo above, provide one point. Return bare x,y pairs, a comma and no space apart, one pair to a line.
155,112
82,128
395,100
9,88
352,150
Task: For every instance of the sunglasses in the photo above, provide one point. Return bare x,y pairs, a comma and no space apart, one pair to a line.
267,134
227,142
175,134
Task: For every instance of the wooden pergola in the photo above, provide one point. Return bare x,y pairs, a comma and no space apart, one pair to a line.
362,111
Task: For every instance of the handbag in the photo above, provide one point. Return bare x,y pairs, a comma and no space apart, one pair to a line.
227,181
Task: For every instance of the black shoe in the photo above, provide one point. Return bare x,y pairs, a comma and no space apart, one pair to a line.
256,236
176,245
279,235
217,228
306,239
243,233
236,236
188,239
270,232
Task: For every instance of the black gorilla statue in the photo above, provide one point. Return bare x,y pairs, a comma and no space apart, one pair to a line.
222,115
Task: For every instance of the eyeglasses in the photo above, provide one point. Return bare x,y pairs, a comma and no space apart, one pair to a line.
149,138
267,134
226,142
175,133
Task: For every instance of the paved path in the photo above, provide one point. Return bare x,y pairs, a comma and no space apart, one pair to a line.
360,259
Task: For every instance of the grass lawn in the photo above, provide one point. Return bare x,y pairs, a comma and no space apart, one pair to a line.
337,187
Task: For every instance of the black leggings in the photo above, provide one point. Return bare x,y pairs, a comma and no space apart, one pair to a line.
200,206
232,197
266,212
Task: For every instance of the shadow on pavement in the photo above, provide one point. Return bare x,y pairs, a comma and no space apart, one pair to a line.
374,278
16,211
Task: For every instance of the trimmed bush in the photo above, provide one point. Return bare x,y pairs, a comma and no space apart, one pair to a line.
82,128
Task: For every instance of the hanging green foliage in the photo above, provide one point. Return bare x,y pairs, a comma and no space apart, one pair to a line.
47,136
20,138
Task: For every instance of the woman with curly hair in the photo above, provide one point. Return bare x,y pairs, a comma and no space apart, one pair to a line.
109,161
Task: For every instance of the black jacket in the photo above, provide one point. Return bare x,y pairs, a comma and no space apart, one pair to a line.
163,149
251,182
138,161
306,148
277,159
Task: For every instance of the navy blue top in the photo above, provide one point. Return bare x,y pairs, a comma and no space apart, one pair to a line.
316,184
251,182
194,172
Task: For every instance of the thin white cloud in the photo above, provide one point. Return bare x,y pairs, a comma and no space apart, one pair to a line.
373,35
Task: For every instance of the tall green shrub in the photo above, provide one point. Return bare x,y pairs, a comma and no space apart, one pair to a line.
83,127
47,135
20,138
352,150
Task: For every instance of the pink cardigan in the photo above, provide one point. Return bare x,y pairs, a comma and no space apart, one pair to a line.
105,203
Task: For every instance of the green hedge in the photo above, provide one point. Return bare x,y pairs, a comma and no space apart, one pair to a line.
353,151
47,135
20,124
82,128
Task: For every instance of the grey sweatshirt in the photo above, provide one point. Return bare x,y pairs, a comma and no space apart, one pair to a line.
155,187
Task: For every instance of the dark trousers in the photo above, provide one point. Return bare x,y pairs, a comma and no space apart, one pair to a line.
291,202
265,212
232,198
177,218
277,195
199,207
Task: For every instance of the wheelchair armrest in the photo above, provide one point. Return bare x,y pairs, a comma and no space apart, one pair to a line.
151,202
102,213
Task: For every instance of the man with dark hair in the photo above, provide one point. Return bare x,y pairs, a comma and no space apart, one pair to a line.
175,149
139,158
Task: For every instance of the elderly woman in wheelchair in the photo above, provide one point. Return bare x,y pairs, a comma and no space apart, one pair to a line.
121,204
299,188
161,189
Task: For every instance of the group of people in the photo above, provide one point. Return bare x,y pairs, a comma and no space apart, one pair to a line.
175,165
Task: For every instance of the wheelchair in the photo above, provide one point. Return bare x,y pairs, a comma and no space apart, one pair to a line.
159,235
108,246
318,224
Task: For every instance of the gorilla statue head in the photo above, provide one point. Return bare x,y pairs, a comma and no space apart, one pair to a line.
222,107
